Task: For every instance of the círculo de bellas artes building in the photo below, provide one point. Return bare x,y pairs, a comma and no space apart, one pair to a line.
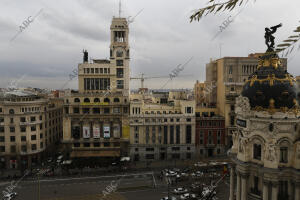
96,125
266,144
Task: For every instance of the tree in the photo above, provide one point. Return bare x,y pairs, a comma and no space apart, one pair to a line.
286,47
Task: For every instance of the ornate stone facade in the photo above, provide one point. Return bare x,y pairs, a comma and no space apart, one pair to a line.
266,154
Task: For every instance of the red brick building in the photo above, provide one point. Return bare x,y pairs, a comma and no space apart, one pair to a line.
210,136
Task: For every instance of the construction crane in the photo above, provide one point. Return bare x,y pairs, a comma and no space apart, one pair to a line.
142,78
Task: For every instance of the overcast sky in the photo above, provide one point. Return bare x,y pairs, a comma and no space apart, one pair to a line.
161,37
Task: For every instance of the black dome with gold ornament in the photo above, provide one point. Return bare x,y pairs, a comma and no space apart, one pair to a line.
271,87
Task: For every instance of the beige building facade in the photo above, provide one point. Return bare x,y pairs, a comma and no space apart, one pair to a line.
96,123
162,126
30,127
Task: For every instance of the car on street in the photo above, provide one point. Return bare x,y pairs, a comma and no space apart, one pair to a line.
9,196
180,190
187,196
168,198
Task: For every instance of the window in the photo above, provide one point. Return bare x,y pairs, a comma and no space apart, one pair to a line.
76,144
188,110
41,117
24,148
13,149
1,129
149,156
96,144
32,119
33,147
116,100
188,134
41,145
230,80
11,120
284,154
86,100
12,138
106,144
33,128
12,129
116,110
188,119
86,144
120,84
23,129
11,111
230,69
257,151
33,137
2,148
1,119
119,62
106,100
23,138
86,110
96,110
96,100
120,73
2,139
76,110
76,100
106,110
41,135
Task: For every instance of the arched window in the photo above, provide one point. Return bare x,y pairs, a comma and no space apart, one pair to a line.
106,100
11,111
116,100
86,100
76,100
96,100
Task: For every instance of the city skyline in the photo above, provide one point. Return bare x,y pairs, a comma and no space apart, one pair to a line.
157,47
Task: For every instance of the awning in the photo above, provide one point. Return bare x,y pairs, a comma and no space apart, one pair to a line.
81,154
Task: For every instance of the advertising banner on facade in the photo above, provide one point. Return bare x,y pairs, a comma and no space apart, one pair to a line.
106,131
96,132
86,132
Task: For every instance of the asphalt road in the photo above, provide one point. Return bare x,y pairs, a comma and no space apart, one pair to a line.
133,187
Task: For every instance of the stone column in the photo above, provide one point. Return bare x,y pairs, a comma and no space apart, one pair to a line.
265,190
274,190
244,187
238,186
297,190
231,194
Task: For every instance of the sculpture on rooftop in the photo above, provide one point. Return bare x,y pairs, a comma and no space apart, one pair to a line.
270,38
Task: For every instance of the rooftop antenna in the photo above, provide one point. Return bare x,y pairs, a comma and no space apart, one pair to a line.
120,9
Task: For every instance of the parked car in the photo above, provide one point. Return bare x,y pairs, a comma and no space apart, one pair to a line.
9,196
168,198
187,196
180,190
